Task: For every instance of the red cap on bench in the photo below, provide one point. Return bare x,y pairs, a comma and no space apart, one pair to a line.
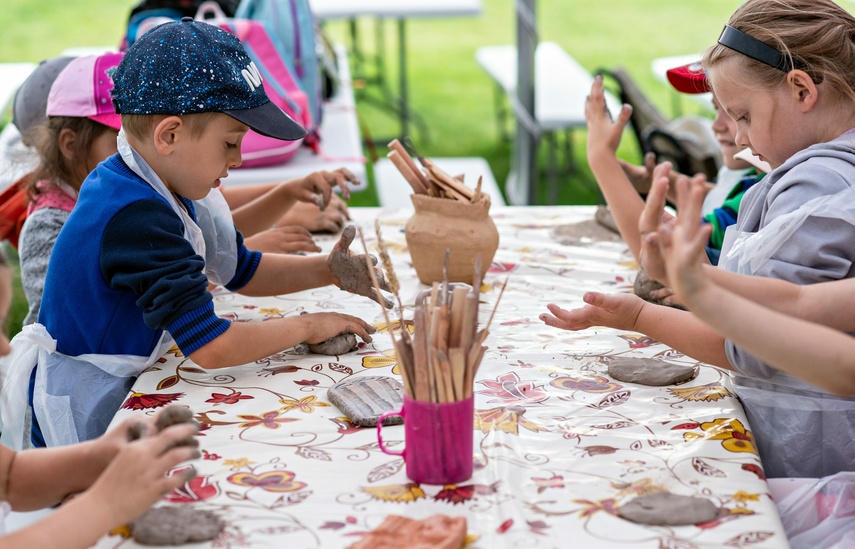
689,78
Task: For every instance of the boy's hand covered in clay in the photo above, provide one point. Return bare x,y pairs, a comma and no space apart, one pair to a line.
351,271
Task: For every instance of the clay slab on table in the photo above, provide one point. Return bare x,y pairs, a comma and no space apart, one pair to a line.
649,371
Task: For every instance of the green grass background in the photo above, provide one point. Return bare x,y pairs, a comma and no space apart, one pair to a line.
447,88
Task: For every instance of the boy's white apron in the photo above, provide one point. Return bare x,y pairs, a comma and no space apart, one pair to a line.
70,412
796,426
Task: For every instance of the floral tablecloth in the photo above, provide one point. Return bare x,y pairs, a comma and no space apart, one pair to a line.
559,446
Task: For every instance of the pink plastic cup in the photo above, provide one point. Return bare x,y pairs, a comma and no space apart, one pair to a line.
438,440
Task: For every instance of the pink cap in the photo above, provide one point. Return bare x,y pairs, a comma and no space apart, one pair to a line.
83,89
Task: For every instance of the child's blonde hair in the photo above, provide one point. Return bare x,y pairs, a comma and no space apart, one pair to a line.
816,33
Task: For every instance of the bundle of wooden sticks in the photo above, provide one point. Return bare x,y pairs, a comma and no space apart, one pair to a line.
431,180
439,360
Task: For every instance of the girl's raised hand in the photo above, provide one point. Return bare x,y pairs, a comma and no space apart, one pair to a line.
603,133
683,245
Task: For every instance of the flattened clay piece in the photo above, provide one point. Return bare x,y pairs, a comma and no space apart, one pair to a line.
604,217
649,371
175,526
351,271
665,509
363,399
338,345
583,233
644,286
397,532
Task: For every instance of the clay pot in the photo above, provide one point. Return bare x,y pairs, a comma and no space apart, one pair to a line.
465,229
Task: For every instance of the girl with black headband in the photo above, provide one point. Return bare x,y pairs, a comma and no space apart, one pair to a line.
785,71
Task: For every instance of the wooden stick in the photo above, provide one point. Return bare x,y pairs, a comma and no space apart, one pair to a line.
457,358
477,196
396,146
442,177
420,355
496,306
458,305
408,174
446,377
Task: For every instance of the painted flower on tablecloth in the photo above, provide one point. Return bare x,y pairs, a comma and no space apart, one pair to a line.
555,481
395,326
270,420
732,434
388,358
345,425
232,398
590,507
508,388
745,497
271,481
123,531
501,267
175,351
143,401
396,493
506,419
702,393
237,463
639,487
587,384
638,341
454,494
198,488
306,405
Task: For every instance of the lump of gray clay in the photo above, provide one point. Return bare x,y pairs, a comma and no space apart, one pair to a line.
604,217
665,509
175,526
644,286
171,415
337,345
363,399
649,371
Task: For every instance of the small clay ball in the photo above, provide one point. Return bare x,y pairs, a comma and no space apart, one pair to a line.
649,371
338,345
644,286
175,526
665,509
173,415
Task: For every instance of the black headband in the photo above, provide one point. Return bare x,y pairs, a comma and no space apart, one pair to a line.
757,50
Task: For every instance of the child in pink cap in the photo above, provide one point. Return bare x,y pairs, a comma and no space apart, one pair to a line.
80,131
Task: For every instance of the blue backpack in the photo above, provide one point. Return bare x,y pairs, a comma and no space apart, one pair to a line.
293,24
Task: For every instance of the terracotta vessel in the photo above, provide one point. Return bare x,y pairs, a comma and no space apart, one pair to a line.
465,229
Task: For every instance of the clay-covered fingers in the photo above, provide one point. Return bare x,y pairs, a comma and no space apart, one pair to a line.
351,271
323,326
343,178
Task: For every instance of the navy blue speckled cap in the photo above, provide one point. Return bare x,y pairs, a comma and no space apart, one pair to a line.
191,67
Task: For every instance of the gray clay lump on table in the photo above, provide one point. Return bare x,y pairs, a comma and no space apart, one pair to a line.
649,371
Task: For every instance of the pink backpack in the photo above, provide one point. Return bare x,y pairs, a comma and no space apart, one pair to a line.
281,88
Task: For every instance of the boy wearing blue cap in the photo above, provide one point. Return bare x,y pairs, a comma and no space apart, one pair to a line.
130,268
